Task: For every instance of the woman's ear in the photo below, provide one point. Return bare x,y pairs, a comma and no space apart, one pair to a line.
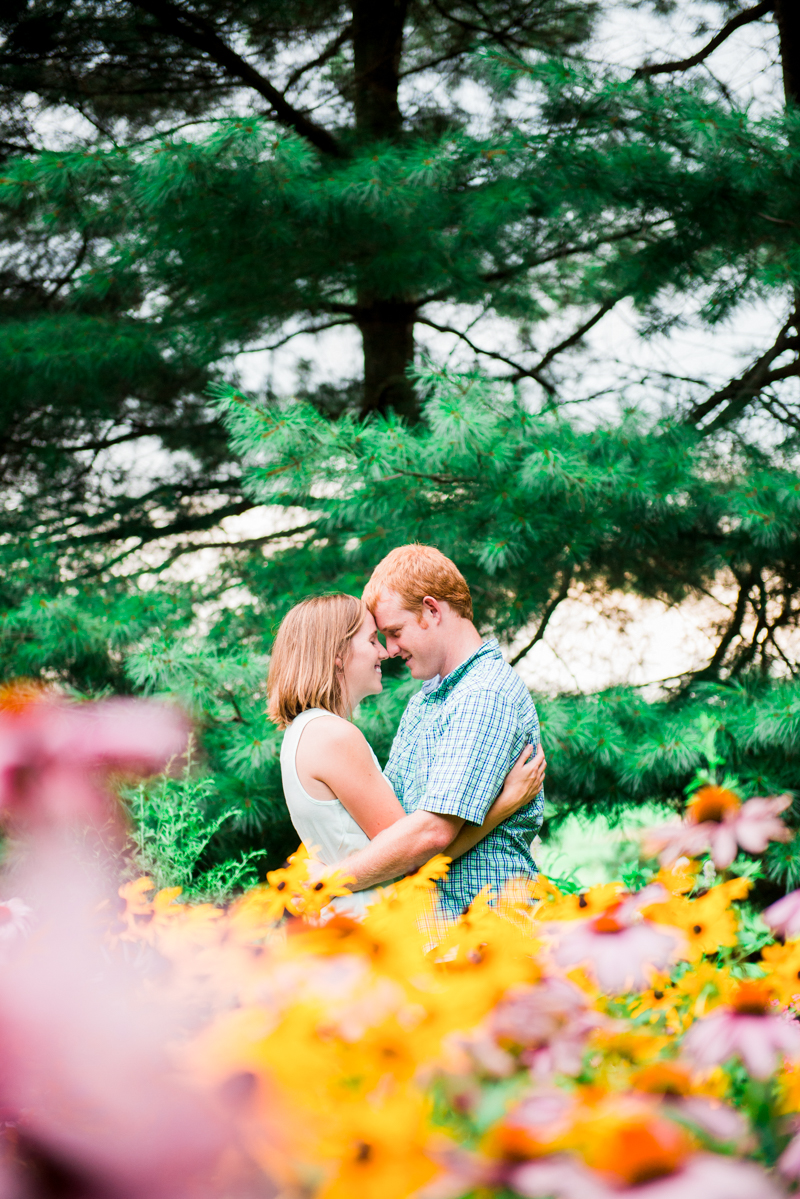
337,661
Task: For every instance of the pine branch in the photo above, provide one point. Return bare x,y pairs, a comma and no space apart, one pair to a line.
732,631
740,392
498,36
326,55
561,594
196,31
103,443
684,64
575,337
246,544
528,264
520,371
276,345
746,653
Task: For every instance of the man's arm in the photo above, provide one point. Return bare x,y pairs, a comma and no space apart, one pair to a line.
404,846
470,770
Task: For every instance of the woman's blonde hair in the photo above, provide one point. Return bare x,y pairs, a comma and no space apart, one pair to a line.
302,671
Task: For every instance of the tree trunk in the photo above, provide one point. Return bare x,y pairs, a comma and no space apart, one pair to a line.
387,331
787,14
377,44
386,321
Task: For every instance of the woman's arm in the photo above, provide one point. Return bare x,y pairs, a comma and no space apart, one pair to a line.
523,783
334,762
410,842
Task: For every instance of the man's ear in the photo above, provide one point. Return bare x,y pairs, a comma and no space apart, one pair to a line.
431,609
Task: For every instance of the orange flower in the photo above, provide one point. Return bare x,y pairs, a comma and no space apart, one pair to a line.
712,803
639,1150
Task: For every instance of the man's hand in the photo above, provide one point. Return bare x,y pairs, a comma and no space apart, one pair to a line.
523,783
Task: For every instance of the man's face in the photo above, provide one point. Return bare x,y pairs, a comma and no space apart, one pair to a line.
417,640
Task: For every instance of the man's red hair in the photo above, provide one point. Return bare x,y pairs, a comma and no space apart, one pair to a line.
414,571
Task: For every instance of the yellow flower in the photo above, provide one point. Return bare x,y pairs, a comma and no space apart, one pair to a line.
579,906
676,1078
703,988
782,966
707,922
789,1088
678,878
380,1149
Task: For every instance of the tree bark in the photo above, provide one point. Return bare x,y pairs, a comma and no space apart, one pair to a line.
377,45
386,321
787,14
387,332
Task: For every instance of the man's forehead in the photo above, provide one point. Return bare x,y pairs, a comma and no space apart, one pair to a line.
389,609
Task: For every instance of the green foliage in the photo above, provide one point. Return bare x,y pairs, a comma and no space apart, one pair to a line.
140,260
521,500
172,834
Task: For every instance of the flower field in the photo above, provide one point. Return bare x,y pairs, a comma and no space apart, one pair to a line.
611,1042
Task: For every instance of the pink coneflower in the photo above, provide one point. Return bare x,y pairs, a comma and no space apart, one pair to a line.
14,919
789,1161
55,757
783,917
674,1082
719,823
700,1176
620,946
550,1022
745,1029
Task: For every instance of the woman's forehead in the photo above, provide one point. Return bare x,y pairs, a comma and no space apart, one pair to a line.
369,626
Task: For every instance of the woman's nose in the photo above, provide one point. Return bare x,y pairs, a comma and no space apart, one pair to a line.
382,652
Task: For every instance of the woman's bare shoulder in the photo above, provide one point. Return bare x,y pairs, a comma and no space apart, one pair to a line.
332,731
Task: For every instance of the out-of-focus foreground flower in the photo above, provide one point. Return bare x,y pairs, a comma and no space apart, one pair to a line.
719,823
55,757
93,1101
585,1046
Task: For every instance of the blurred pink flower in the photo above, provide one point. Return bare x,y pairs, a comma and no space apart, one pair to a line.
718,822
55,756
789,1161
15,918
88,1073
783,917
550,1022
619,945
715,1119
87,1069
701,1176
747,1030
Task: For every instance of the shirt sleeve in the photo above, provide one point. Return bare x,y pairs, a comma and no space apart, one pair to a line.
474,751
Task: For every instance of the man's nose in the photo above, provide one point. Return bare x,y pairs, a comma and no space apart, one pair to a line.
392,648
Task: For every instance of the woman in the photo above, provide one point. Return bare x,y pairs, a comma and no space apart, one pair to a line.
326,660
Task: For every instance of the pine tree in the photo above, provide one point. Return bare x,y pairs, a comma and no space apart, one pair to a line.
145,260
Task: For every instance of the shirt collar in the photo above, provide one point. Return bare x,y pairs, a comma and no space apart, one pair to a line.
443,686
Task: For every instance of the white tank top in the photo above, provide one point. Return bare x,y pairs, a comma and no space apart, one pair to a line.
324,824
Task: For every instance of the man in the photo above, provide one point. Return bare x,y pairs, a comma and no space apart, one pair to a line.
459,735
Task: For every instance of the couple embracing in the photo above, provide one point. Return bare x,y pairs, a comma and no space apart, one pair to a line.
465,772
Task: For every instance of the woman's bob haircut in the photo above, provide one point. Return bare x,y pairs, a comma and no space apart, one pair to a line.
303,672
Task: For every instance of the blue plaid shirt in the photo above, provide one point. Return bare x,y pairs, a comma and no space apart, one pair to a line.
457,741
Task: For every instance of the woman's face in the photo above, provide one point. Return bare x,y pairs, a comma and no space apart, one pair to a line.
362,665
